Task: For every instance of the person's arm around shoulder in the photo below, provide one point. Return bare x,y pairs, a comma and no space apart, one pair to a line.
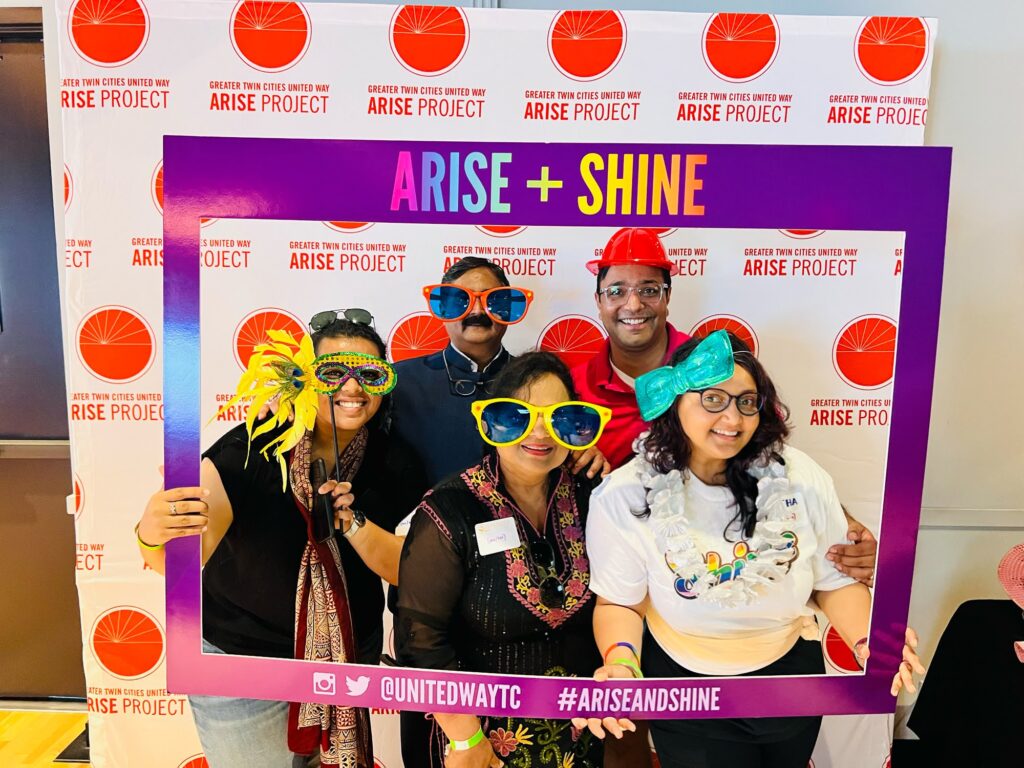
856,559
592,460
204,510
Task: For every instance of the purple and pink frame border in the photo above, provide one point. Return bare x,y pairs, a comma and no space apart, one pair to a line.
854,188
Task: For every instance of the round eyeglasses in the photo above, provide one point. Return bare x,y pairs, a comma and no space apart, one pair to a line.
717,400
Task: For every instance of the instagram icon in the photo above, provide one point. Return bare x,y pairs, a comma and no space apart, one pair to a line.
324,683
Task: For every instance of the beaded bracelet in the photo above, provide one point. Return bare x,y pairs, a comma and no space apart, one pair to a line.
630,665
143,544
624,644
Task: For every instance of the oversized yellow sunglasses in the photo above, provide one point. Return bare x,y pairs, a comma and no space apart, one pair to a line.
573,424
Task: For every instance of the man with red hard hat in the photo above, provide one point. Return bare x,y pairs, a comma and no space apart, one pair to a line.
634,285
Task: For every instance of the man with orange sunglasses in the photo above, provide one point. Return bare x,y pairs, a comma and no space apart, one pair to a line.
477,305
432,409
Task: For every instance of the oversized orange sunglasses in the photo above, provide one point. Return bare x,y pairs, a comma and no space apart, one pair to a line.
505,304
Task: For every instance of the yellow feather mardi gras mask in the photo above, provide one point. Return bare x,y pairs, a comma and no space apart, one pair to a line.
281,370
288,371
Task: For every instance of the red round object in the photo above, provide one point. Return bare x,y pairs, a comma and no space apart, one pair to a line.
634,246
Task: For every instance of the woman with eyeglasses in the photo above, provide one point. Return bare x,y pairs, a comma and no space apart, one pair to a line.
494,573
706,549
278,579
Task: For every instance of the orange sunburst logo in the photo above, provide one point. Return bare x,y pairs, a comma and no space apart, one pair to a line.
429,40
586,45
735,325
253,331
416,335
270,37
127,642
108,33
739,47
891,50
115,344
574,338
864,353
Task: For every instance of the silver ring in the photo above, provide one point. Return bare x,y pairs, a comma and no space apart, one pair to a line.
174,508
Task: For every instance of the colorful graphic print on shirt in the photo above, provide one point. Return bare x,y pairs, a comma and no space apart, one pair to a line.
727,571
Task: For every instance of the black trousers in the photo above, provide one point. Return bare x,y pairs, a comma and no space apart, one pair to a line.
768,742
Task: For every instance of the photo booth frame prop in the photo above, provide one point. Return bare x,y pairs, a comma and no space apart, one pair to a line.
537,184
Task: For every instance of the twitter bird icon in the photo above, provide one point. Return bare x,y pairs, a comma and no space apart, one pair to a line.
358,686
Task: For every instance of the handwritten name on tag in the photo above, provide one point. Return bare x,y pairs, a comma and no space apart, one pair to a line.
497,536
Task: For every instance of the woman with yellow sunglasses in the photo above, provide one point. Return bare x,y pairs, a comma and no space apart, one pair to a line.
494,573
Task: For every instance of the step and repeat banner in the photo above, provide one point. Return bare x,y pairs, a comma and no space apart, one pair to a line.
819,307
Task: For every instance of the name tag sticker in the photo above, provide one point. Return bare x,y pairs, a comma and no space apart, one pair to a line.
793,507
402,529
497,535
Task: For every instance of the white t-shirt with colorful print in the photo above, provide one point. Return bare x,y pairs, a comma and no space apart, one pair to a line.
628,565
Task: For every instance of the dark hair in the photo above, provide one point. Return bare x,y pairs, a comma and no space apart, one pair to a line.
469,263
666,277
342,328
524,370
668,447
346,329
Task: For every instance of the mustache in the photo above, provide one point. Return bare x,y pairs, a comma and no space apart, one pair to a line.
482,320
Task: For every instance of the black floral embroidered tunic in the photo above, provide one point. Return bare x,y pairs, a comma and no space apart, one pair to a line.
460,610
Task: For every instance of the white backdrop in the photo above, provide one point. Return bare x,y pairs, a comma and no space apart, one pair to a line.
132,73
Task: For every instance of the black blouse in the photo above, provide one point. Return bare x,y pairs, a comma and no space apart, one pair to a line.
249,583
460,610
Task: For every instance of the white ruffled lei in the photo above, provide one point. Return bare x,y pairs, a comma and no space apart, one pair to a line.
666,498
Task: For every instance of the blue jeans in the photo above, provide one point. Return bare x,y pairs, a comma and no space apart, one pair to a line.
249,733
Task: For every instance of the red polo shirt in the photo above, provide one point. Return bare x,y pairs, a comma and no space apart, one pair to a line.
597,383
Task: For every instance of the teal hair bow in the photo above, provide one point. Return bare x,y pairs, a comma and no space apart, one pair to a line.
709,364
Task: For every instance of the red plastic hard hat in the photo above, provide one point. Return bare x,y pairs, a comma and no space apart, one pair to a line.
634,246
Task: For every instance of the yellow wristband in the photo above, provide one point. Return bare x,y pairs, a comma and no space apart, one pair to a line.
143,544
631,666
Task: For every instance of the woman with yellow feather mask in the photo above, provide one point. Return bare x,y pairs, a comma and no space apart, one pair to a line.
277,581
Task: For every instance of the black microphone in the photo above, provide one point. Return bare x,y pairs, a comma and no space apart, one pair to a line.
322,511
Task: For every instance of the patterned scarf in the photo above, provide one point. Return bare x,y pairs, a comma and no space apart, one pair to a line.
323,625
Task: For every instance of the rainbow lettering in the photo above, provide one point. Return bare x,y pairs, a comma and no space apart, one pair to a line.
442,179
616,182
741,556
